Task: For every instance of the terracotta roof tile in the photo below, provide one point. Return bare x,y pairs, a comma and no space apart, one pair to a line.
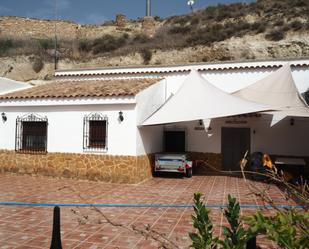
93,88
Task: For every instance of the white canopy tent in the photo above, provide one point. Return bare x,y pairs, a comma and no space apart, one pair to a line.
198,99
7,85
277,90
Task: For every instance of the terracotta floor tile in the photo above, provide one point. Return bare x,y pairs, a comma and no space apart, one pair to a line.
39,241
88,227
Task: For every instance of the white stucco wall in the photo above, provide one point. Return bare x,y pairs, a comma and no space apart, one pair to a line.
65,127
148,101
126,139
149,140
281,139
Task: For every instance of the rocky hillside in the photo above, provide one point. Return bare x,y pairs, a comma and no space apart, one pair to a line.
260,30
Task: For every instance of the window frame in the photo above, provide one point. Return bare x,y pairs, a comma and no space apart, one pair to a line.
87,146
19,134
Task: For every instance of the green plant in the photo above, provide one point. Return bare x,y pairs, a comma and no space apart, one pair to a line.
141,38
296,25
180,29
146,55
275,35
125,36
85,45
107,43
157,18
46,44
259,27
279,23
181,20
38,64
210,11
204,239
194,21
289,228
5,45
286,27
235,236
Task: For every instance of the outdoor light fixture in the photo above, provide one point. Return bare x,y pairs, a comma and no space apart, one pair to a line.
292,121
4,117
200,122
121,118
190,4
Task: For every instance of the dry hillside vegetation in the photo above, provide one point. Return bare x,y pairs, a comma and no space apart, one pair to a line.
260,30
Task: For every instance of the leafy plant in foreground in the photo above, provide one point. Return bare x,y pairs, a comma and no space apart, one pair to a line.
204,238
235,236
289,229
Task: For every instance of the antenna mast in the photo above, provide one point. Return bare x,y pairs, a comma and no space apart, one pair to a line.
56,18
148,7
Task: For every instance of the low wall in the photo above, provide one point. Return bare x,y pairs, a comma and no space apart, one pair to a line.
118,169
212,159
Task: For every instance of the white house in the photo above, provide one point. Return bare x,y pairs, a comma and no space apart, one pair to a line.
89,124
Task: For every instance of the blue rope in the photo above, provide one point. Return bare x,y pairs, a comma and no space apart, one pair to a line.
212,206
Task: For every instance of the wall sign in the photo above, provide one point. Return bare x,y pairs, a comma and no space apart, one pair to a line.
236,122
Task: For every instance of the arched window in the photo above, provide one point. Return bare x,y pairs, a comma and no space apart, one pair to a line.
31,134
95,132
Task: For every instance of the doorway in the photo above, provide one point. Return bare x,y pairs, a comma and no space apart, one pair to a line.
234,144
175,141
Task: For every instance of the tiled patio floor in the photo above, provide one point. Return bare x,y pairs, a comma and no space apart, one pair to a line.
30,227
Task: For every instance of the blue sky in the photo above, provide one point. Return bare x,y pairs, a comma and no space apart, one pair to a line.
98,11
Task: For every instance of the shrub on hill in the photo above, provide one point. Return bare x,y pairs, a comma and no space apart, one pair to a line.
85,45
46,44
5,45
146,55
180,29
107,43
259,27
296,25
140,38
38,64
275,35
